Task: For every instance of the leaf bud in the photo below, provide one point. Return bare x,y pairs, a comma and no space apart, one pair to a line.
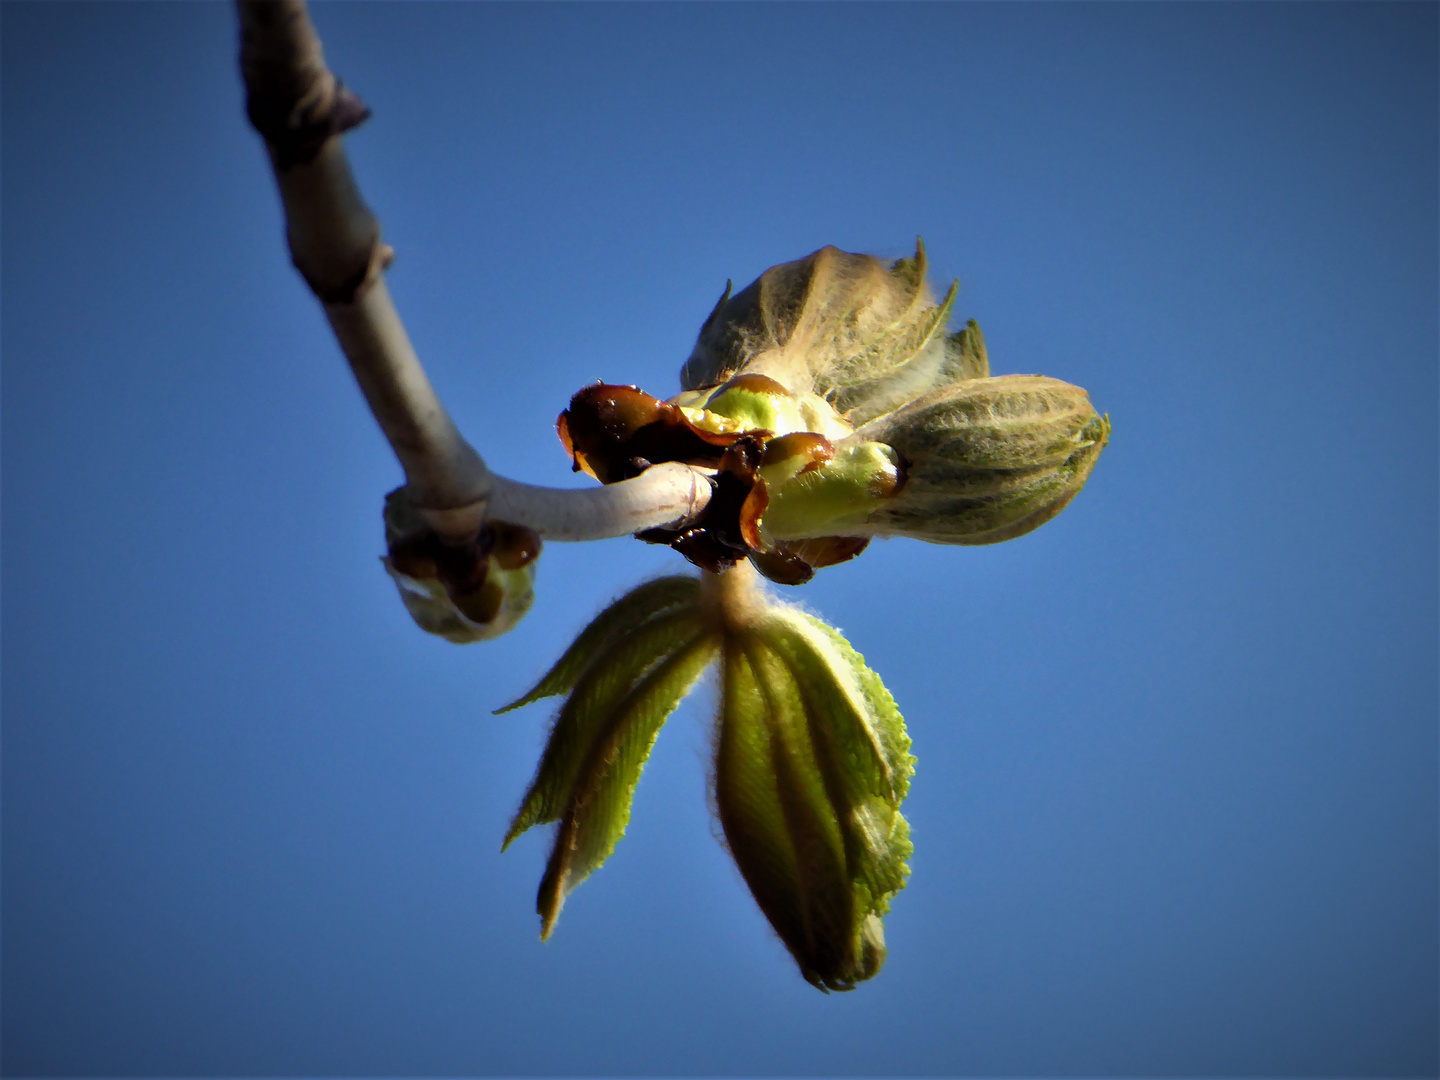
987,460
845,328
465,592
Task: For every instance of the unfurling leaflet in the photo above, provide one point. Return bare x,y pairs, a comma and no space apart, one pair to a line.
811,763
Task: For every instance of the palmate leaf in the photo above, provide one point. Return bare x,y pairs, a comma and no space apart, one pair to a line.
811,764
825,678
789,849
881,837
883,715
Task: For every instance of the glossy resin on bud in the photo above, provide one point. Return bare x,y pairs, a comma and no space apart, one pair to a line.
463,592
771,456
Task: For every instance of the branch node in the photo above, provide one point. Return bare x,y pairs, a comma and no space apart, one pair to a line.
293,100
347,290
456,522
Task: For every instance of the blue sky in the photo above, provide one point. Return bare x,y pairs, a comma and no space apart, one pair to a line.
1176,802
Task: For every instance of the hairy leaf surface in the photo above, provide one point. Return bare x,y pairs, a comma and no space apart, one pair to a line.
808,777
601,693
647,601
597,807
826,682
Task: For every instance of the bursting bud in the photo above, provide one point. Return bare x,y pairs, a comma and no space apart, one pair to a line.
936,449
469,591
830,405
863,336
987,460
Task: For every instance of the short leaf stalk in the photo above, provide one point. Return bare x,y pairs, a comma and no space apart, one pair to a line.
823,405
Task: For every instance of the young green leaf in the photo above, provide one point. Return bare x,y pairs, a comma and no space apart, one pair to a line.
806,795
647,601
877,836
776,817
598,808
600,694
831,693
882,714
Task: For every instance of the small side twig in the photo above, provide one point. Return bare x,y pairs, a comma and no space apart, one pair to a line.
301,109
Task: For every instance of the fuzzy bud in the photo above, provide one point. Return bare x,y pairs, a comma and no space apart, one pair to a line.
987,459
863,335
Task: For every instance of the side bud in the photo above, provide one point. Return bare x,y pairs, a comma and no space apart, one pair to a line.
987,460
466,592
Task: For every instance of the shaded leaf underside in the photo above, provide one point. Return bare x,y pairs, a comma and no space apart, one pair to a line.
811,762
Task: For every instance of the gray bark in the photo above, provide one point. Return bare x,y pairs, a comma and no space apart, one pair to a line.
301,109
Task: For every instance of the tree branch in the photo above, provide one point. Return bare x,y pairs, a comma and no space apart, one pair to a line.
301,109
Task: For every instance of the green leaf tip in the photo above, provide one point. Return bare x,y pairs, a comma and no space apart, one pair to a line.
641,604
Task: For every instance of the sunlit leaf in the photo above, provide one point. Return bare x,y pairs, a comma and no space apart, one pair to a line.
883,715
585,716
648,601
826,682
877,836
787,846
598,807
